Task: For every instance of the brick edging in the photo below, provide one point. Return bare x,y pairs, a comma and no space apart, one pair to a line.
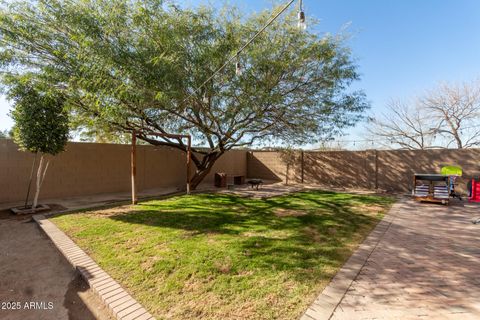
325,304
122,305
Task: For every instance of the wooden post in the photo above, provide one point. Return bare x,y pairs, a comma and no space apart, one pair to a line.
414,184
189,156
303,165
376,169
133,163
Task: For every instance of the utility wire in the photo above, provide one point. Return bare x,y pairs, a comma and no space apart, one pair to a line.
392,137
237,53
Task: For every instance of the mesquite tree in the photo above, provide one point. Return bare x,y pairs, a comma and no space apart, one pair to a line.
41,125
135,65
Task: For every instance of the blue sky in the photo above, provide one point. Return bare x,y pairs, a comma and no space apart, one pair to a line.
402,47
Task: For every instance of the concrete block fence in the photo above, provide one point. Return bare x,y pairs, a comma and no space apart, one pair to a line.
91,168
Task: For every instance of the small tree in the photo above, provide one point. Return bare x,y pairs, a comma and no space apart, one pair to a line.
41,125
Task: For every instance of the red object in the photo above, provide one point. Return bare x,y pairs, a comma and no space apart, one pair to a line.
475,191
220,180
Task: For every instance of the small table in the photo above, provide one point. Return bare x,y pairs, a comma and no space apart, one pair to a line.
238,179
255,183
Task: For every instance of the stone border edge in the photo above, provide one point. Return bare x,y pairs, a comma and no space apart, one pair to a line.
326,303
122,305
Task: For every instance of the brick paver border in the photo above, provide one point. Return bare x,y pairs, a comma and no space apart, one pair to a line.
325,304
120,303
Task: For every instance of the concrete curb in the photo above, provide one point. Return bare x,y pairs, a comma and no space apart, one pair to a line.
119,302
324,306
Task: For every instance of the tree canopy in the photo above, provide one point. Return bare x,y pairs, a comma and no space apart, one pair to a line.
4,134
127,65
41,122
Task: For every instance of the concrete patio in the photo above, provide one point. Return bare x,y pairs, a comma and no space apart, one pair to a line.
425,265
266,190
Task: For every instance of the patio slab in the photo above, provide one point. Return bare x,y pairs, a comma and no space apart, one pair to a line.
425,264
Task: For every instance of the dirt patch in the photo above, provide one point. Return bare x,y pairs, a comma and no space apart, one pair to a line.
271,234
332,231
251,234
79,300
244,273
114,211
33,270
280,212
8,214
371,208
149,263
313,233
224,266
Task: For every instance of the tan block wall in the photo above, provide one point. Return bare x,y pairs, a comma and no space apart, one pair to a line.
387,170
90,168
265,165
232,163
396,167
334,168
339,168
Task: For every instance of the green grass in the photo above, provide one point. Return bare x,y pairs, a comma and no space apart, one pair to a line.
215,256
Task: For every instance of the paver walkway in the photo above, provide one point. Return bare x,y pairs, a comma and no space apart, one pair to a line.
426,266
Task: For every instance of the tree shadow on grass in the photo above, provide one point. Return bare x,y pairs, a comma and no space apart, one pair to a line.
320,238
198,222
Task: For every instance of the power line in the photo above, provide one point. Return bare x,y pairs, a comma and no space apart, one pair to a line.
237,53
393,137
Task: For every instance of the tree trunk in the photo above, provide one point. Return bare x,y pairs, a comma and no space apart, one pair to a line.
40,177
286,174
203,170
459,141
30,180
203,166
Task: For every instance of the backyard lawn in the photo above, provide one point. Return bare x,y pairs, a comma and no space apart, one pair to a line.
218,256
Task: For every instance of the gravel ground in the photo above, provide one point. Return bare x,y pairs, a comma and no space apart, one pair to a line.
37,281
